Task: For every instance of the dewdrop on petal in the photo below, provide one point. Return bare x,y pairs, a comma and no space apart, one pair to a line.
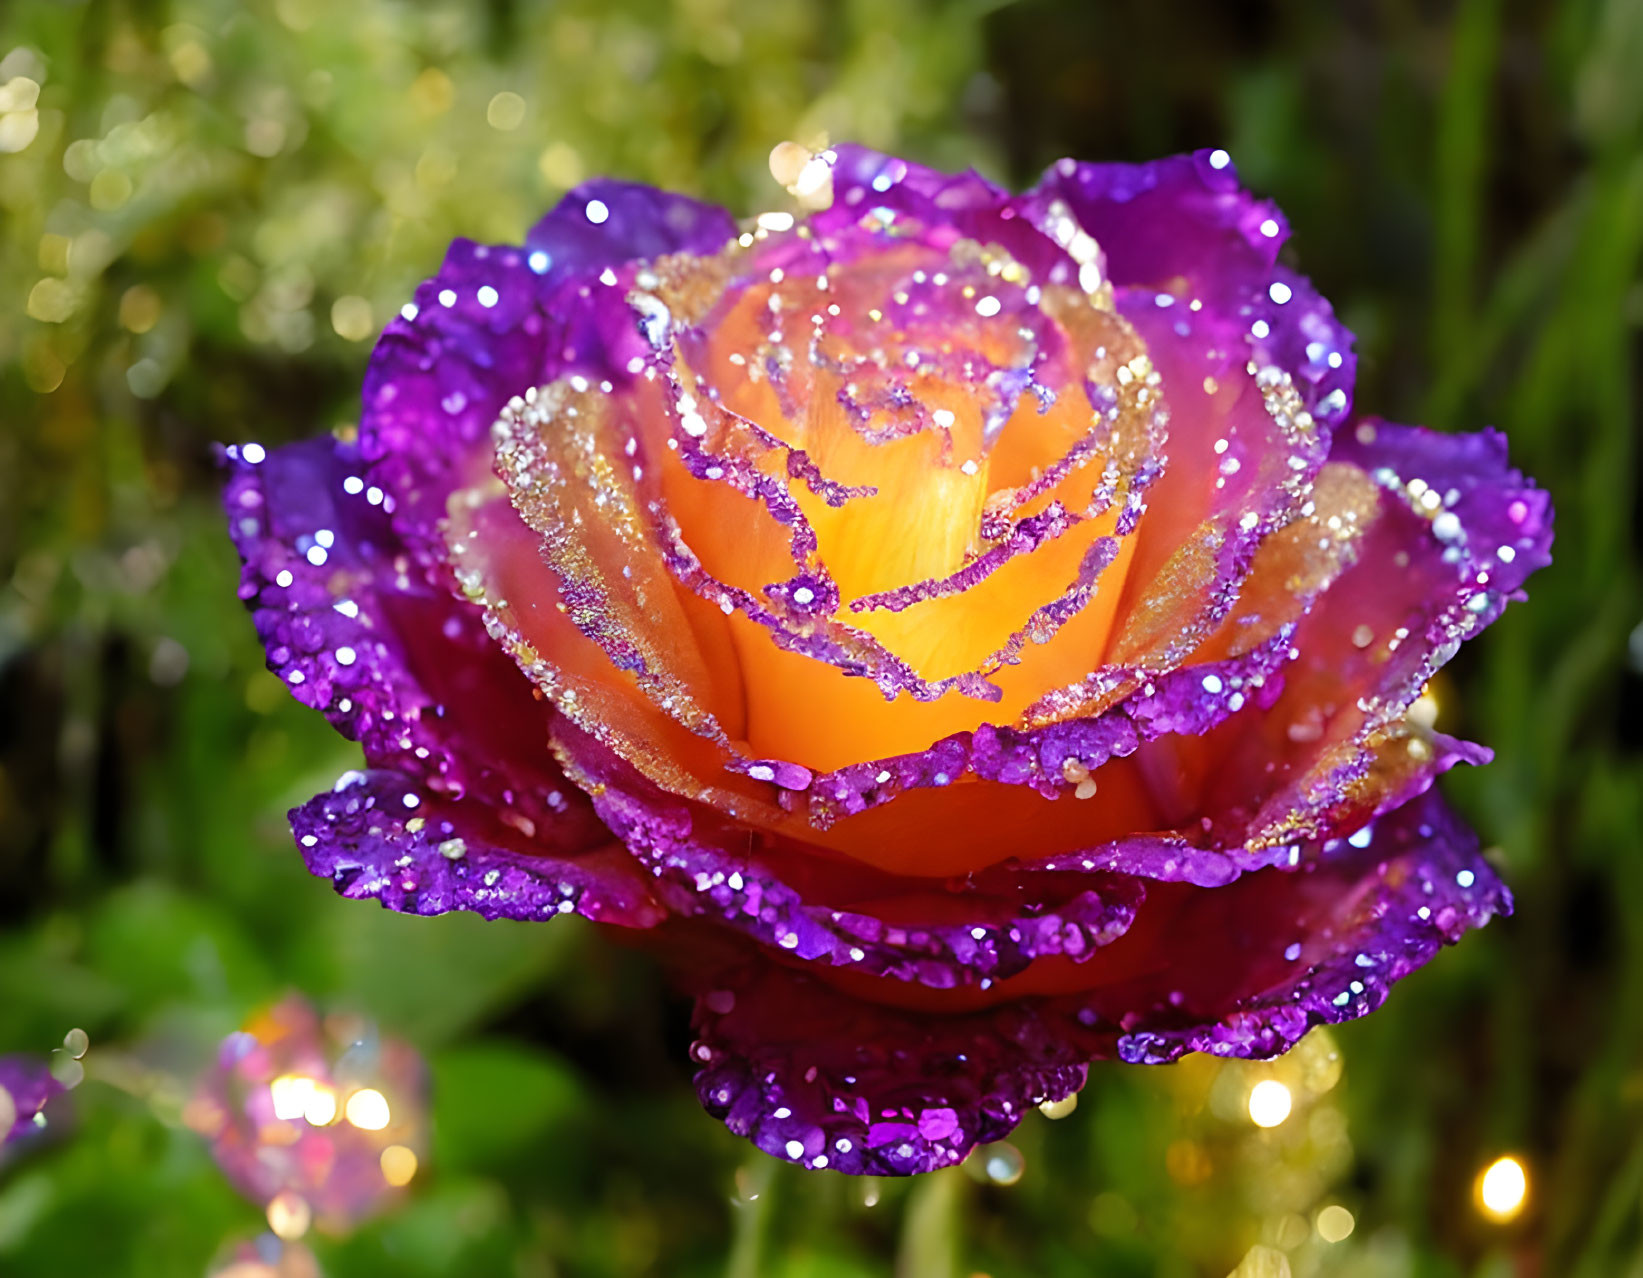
807,175
1059,1108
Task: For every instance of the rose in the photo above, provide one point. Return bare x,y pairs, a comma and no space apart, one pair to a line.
966,632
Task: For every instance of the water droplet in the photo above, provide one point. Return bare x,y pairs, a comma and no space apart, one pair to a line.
66,1069
1001,1162
1269,1103
1054,1109
399,1164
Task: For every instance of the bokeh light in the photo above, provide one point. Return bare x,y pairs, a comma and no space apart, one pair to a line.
1269,1103
1335,1223
367,1109
1503,1188
289,1215
399,1165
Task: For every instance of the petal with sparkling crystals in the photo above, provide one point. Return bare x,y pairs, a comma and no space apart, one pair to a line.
500,319
457,743
811,1068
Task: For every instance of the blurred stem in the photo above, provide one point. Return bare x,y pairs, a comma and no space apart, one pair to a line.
1617,1205
755,1187
929,1235
1462,153
1522,284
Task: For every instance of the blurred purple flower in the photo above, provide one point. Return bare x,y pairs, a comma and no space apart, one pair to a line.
318,1121
26,1085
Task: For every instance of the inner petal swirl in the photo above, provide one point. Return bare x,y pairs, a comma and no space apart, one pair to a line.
904,473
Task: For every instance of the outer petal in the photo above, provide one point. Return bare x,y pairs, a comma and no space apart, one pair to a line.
445,719
1255,370
375,836
1422,885
809,1073
1459,532
824,1080
1186,217
497,321
864,179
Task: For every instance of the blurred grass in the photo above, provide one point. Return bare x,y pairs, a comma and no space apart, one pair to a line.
216,207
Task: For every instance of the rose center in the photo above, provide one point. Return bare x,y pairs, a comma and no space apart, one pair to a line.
957,440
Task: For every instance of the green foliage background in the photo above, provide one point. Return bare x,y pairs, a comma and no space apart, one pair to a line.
210,209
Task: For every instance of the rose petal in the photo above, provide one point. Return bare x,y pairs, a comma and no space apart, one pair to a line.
1421,884
497,321
1185,217
379,836
1459,531
819,909
806,1071
818,1078
968,203
1255,370
409,672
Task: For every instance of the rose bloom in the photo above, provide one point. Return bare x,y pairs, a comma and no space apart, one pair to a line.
967,634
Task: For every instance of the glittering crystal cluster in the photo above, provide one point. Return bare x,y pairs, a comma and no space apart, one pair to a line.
969,634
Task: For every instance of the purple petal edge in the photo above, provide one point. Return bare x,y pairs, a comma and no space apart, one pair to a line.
703,869
325,579
1187,216
1447,888
866,1090
815,1077
362,837
498,320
